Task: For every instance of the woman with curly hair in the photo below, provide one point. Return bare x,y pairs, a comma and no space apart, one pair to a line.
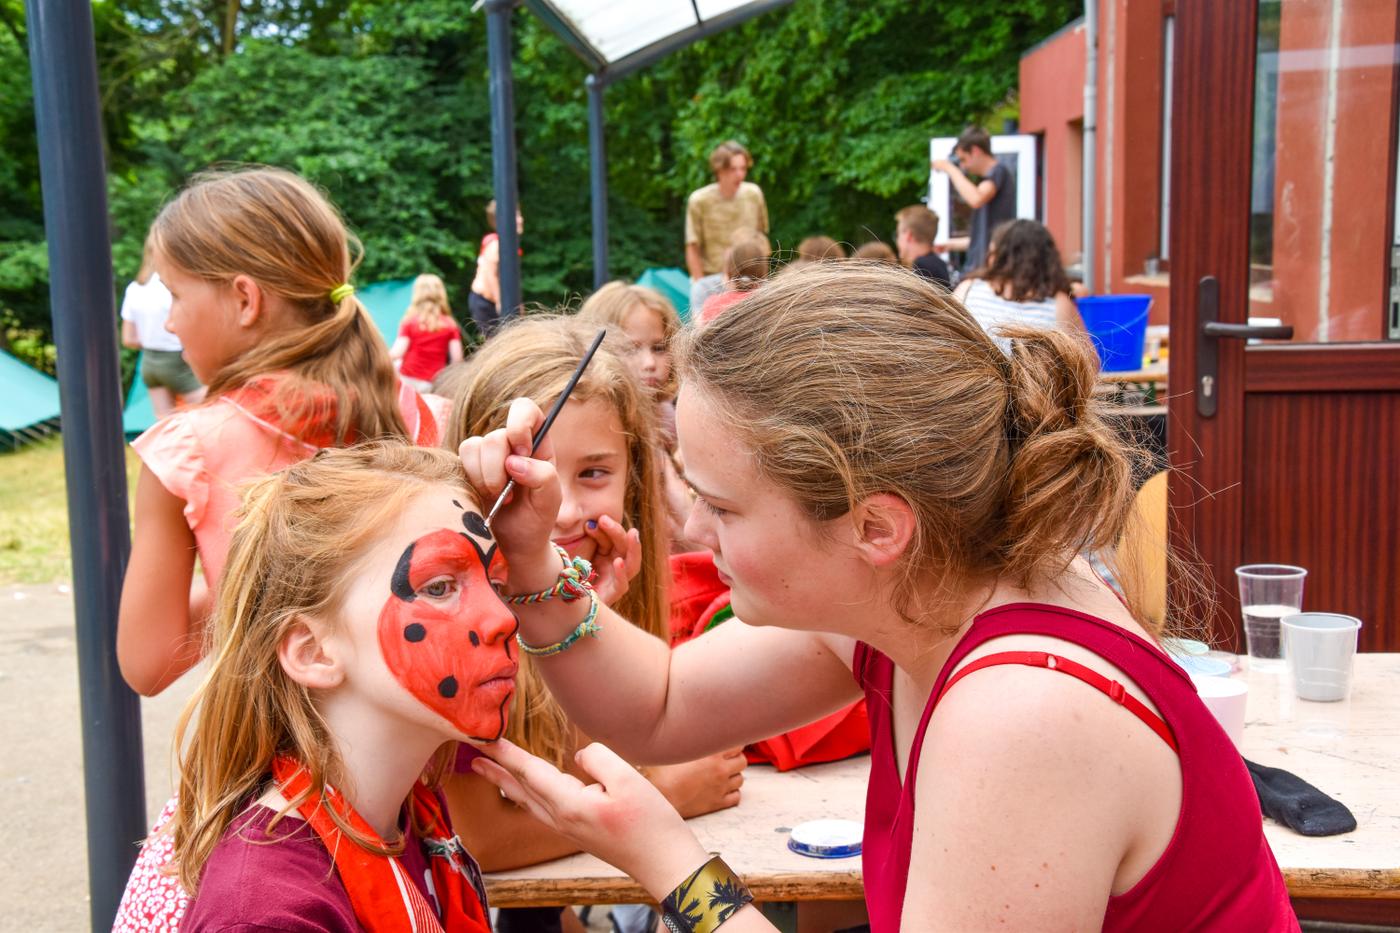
1023,283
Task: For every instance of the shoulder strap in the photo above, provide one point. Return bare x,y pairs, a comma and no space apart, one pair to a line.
1111,688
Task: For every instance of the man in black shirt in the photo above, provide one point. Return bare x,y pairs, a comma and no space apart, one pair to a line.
992,198
916,228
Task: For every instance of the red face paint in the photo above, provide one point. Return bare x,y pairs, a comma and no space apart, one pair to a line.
445,634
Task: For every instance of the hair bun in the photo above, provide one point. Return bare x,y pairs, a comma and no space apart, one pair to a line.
1070,475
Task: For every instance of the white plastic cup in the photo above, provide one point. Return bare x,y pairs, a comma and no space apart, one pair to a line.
1226,699
1320,648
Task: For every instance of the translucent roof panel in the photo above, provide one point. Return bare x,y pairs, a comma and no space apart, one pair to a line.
615,29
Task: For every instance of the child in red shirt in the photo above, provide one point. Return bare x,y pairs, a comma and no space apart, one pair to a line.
428,338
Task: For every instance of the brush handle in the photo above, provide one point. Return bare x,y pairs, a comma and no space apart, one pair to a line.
554,410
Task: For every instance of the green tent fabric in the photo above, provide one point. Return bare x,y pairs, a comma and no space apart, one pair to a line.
385,302
138,415
30,397
674,284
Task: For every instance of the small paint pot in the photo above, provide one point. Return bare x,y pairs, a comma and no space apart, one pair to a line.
826,838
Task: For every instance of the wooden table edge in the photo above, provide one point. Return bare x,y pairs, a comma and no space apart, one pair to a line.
1334,883
1372,884
539,892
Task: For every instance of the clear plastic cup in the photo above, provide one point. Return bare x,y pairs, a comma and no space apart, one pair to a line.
1320,647
1268,592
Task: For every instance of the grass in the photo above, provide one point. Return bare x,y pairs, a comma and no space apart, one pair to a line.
34,533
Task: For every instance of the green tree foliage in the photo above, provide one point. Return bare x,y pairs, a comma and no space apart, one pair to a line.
384,104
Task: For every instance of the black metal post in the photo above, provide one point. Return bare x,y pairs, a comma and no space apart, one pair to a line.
64,67
503,161
598,177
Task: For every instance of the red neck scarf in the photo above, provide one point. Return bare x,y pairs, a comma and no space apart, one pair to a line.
385,900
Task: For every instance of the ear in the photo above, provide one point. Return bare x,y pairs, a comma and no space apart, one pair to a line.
303,655
884,525
250,300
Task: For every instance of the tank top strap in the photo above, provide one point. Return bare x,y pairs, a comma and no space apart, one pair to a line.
1141,660
1144,663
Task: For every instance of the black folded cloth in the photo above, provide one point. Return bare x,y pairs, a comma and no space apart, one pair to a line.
1298,805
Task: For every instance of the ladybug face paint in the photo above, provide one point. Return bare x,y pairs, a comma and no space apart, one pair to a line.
445,634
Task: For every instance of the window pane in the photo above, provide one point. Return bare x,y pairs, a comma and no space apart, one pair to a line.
1324,128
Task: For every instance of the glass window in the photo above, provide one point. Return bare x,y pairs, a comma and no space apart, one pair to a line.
1321,221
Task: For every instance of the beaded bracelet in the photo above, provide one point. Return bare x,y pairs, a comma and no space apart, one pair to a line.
575,581
705,900
589,626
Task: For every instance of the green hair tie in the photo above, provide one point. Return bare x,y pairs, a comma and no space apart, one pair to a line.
341,292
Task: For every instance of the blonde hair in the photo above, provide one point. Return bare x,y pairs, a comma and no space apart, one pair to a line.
276,228
298,537
746,261
860,378
428,306
611,305
533,358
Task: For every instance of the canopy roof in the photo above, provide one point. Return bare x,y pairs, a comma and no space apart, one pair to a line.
616,37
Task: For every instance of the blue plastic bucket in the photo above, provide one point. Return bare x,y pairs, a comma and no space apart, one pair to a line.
1118,326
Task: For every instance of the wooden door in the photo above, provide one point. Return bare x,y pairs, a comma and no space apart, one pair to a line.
1283,179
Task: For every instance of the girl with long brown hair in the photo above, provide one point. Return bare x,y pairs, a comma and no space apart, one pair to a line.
610,515
899,507
357,629
258,263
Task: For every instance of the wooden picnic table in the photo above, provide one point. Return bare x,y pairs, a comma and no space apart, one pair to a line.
1350,750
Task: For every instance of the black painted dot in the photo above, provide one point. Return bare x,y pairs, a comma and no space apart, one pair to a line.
415,632
448,687
476,639
476,524
456,503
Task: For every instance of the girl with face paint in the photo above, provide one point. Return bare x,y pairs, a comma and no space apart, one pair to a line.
358,629
258,263
604,445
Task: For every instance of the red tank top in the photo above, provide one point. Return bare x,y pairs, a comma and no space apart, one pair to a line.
1217,873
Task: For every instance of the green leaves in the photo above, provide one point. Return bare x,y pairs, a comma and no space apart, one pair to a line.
384,104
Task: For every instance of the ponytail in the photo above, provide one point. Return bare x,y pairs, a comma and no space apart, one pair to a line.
282,232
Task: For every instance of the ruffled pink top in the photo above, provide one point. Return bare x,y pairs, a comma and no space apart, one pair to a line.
206,454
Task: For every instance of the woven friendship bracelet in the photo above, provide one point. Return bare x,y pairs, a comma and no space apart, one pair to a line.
575,582
589,626
705,900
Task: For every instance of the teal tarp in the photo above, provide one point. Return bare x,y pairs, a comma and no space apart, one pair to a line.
29,395
674,284
385,301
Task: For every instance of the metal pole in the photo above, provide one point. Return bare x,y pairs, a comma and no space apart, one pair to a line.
64,68
598,177
1091,131
503,161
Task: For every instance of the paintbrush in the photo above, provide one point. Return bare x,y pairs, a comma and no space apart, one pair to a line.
549,418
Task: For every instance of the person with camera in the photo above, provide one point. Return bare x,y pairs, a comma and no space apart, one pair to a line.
992,198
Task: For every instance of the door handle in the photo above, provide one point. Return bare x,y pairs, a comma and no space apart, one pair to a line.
1208,343
1247,331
